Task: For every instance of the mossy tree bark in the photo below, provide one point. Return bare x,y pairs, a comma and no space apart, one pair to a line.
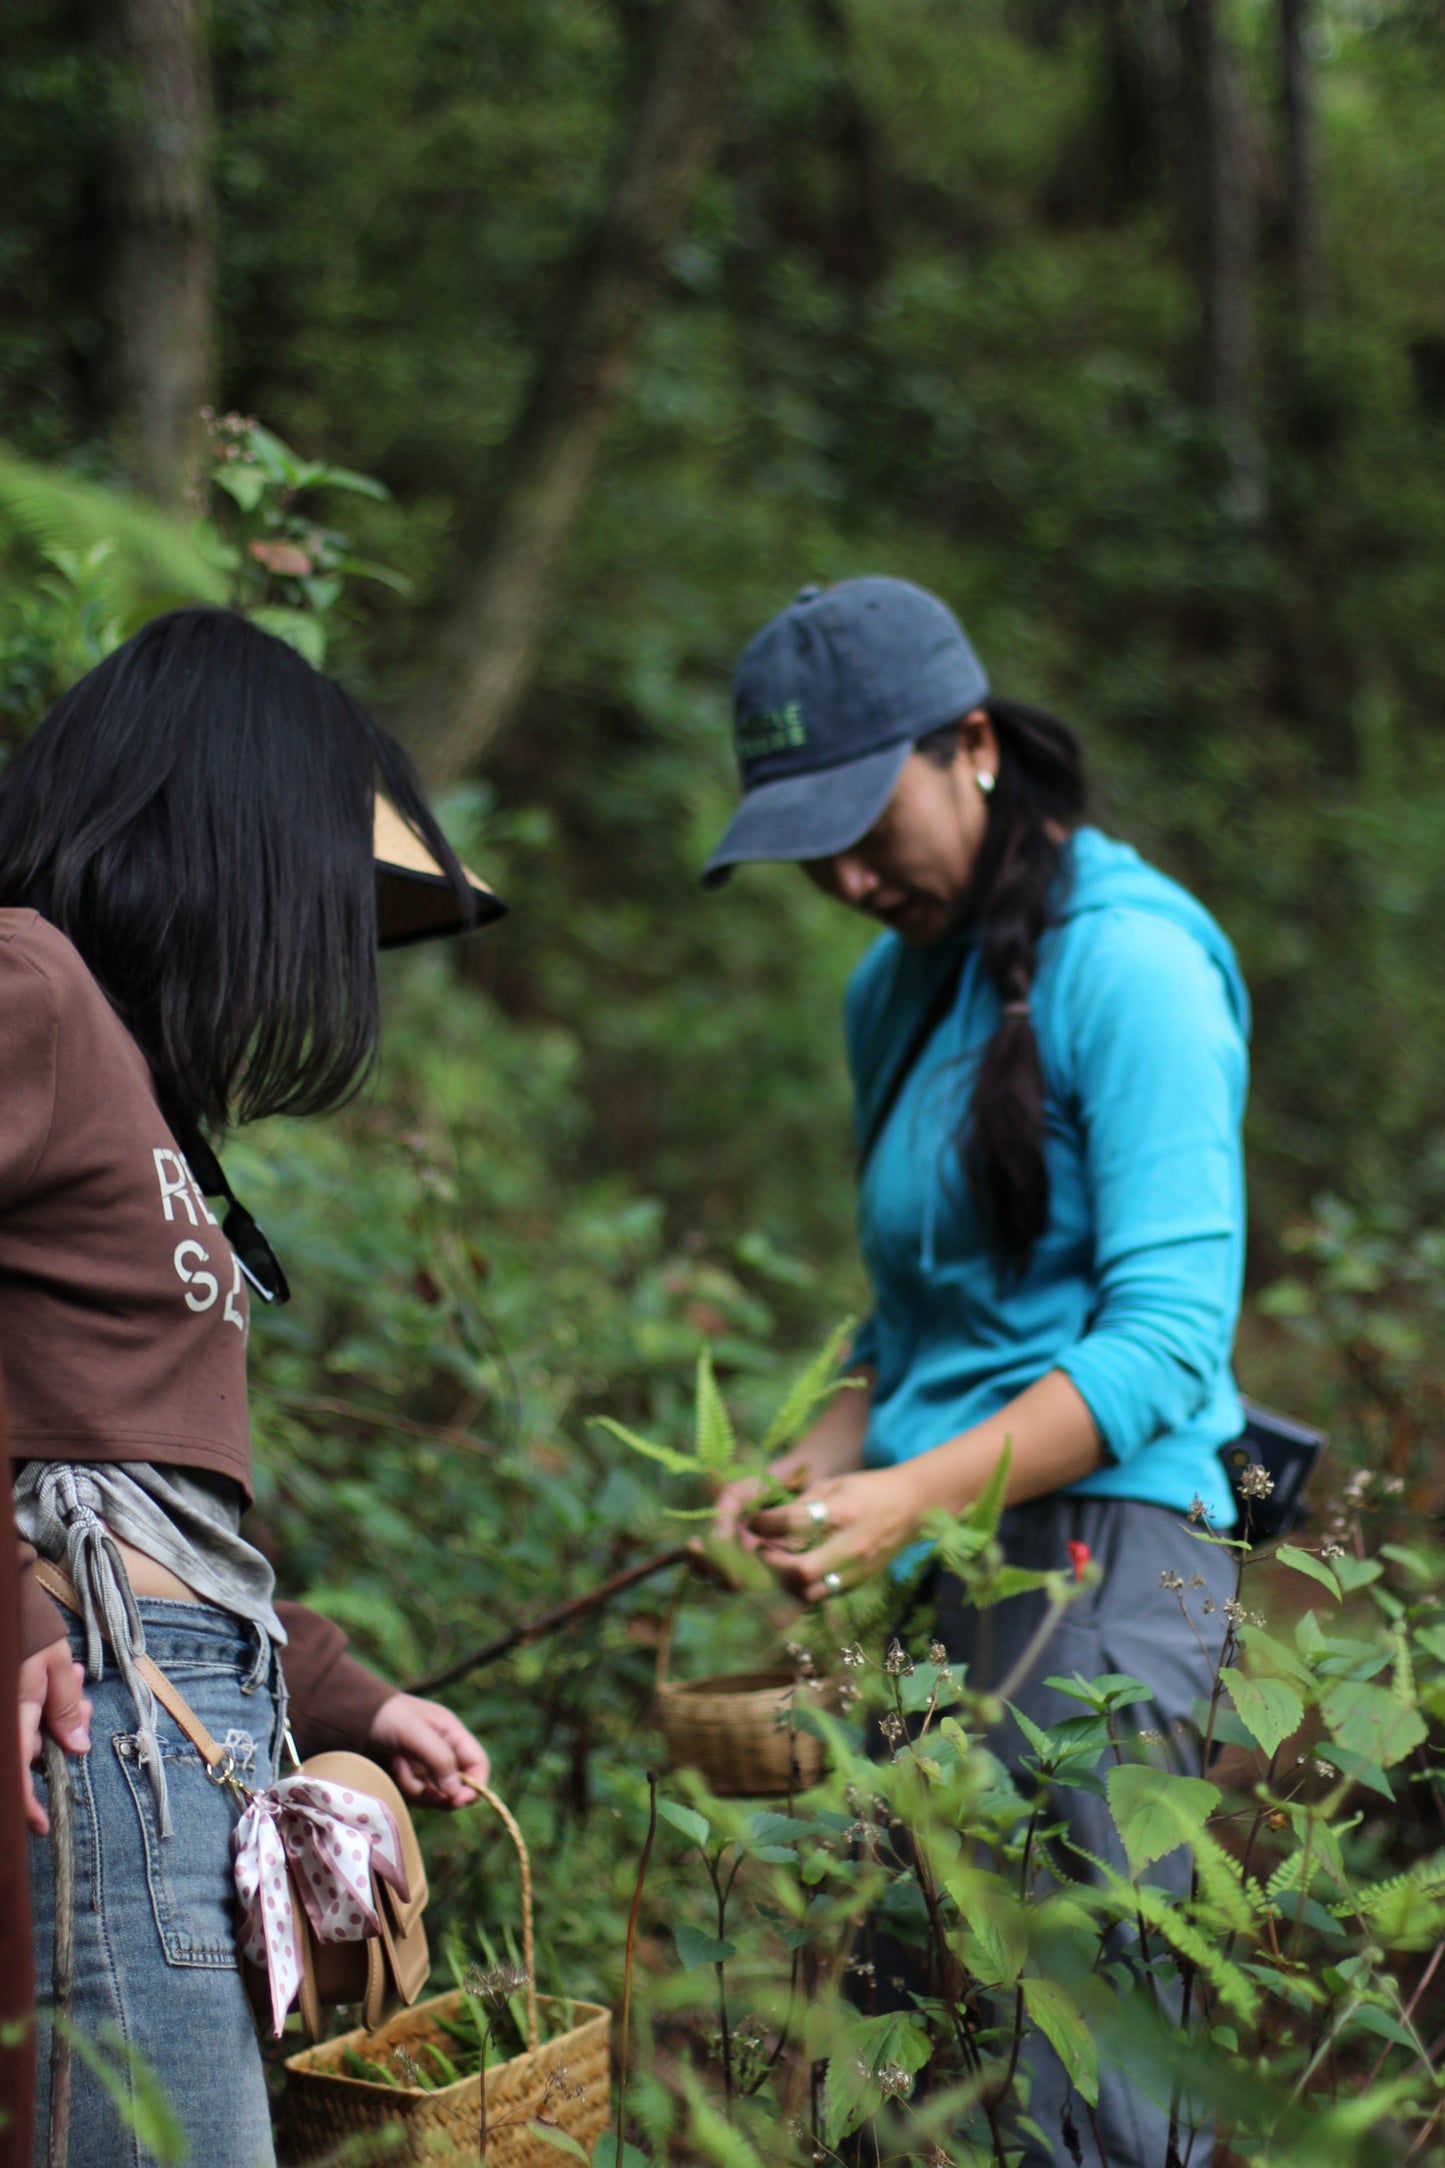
487,651
161,212
1224,220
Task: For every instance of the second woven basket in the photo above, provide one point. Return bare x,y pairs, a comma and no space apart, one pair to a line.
564,2079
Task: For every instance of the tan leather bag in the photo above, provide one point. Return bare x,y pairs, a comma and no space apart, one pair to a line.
376,1973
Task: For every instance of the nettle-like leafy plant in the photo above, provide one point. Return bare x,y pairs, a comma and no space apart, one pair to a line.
1283,2000
717,1456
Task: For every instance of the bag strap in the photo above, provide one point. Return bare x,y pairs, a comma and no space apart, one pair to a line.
218,1762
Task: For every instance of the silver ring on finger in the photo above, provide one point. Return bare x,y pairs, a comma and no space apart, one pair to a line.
817,1513
833,1583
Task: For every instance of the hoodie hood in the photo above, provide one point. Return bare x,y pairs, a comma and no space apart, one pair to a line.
1107,876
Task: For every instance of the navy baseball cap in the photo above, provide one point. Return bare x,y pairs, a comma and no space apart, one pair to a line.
828,701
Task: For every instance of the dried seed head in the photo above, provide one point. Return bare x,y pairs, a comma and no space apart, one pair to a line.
1198,1511
494,1985
853,1658
1256,1482
1171,1580
898,1663
937,1654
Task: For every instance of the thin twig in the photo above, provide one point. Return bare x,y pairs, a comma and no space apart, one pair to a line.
627,1961
561,1614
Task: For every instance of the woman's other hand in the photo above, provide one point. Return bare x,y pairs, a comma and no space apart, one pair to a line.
433,1756
871,1517
52,1696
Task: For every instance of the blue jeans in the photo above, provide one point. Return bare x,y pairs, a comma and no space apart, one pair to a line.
155,1936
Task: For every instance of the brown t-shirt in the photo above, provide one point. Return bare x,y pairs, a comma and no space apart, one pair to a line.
123,1312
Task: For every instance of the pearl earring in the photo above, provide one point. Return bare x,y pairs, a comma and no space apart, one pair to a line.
985,781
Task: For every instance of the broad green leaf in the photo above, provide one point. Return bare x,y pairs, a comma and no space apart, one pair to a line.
1370,1721
815,1383
1111,1690
696,1948
1288,1554
1059,2019
298,628
1353,1573
687,1819
605,2155
677,1463
1155,1811
245,485
716,1443
1271,1711
1276,1658
552,2134
858,2052
361,485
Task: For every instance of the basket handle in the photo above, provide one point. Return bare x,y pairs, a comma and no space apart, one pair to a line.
529,1953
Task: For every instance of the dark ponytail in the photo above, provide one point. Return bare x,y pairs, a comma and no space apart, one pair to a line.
1040,784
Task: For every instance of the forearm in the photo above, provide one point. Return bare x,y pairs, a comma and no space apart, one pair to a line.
834,1444
1051,1440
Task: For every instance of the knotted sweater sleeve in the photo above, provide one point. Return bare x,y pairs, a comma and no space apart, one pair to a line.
1157,1071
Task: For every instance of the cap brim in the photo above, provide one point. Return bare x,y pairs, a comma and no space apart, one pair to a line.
414,899
808,816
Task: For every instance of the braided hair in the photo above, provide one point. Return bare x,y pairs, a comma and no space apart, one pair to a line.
1039,786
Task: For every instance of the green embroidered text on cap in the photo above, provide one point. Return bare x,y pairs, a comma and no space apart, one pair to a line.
777,731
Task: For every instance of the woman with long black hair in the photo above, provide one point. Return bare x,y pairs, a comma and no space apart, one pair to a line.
191,900
1048,1053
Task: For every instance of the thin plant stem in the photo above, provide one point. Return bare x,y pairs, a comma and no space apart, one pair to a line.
627,1960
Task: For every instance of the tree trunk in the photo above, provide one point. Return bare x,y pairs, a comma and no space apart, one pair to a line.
488,650
1142,97
164,261
1224,236
1303,223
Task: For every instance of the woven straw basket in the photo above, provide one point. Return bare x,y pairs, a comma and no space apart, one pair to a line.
735,1728
322,2106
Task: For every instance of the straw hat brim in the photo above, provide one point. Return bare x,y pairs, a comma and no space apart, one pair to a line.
414,899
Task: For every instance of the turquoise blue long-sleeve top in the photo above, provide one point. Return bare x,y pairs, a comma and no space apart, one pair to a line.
1133,1289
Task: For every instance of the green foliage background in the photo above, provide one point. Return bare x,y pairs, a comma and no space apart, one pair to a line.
921,322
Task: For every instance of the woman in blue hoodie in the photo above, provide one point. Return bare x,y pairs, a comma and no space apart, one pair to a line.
1048,1052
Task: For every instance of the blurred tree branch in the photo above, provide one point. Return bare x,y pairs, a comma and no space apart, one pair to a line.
488,649
1303,217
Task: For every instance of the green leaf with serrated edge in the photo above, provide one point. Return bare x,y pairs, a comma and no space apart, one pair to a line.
1038,1739
686,1819
676,1463
815,1383
1155,1811
552,2134
1058,2018
1301,1561
1369,1721
858,2051
717,1444
696,1948
986,1512
1274,1658
1270,1711
1111,1690
1168,1917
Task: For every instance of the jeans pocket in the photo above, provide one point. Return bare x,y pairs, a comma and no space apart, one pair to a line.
188,1874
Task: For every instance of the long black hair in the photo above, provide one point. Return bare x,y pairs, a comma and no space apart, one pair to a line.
1039,788
195,815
